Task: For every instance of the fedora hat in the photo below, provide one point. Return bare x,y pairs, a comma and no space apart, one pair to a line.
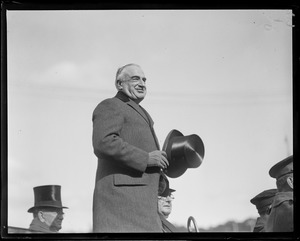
47,196
183,152
164,189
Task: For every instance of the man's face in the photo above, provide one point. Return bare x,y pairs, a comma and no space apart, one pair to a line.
134,83
53,218
165,205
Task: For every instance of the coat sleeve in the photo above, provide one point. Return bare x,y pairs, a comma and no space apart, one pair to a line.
284,220
107,143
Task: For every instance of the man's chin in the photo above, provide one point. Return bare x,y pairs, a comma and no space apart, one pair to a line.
140,96
55,228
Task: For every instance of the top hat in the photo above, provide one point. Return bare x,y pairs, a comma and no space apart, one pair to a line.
183,152
46,196
282,168
164,189
263,200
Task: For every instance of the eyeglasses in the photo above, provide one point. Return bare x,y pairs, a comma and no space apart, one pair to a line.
168,198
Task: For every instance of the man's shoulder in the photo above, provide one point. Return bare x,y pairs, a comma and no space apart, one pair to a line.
283,198
109,102
109,105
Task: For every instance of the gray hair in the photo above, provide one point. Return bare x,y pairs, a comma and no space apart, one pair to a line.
120,74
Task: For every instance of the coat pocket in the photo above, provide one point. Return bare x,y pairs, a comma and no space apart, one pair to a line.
125,180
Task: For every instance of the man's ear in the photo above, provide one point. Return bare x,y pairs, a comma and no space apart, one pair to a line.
289,180
41,216
119,85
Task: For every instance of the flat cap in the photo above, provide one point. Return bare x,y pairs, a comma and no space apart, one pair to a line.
282,168
263,200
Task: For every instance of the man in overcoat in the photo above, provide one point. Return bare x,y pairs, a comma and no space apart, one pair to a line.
165,199
47,210
129,159
281,218
263,202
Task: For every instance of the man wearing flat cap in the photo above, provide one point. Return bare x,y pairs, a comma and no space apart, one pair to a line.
281,214
263,202
165,199
47,210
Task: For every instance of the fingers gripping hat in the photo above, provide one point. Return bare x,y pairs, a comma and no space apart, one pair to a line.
263,200
183,152
282,168
47,196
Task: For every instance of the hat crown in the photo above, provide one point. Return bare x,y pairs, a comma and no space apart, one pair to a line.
50,193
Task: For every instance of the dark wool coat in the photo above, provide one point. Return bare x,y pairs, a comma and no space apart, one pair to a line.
125,194
37,226
259,225
167,227
281,217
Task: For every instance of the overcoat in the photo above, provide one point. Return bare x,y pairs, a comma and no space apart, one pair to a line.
259,225
281,217
126,190
167,227
38,226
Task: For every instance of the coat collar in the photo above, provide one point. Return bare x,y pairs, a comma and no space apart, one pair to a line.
37,225
166,225
282,197
123,97
120,95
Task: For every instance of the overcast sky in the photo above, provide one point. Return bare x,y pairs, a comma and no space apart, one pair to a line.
223,75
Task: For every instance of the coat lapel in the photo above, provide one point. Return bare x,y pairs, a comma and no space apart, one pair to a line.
120,95
139,110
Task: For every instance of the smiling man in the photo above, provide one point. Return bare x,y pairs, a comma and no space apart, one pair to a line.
129,159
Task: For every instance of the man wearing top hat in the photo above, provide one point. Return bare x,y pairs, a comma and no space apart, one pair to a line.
281,214
47,210
263,202
165,199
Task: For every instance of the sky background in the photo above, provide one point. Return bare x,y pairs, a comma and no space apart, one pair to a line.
223,75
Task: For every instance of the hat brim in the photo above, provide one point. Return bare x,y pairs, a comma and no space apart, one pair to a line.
31,210
274,169
172,190
172,170
171,135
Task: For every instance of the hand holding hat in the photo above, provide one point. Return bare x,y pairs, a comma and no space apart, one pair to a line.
158,158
